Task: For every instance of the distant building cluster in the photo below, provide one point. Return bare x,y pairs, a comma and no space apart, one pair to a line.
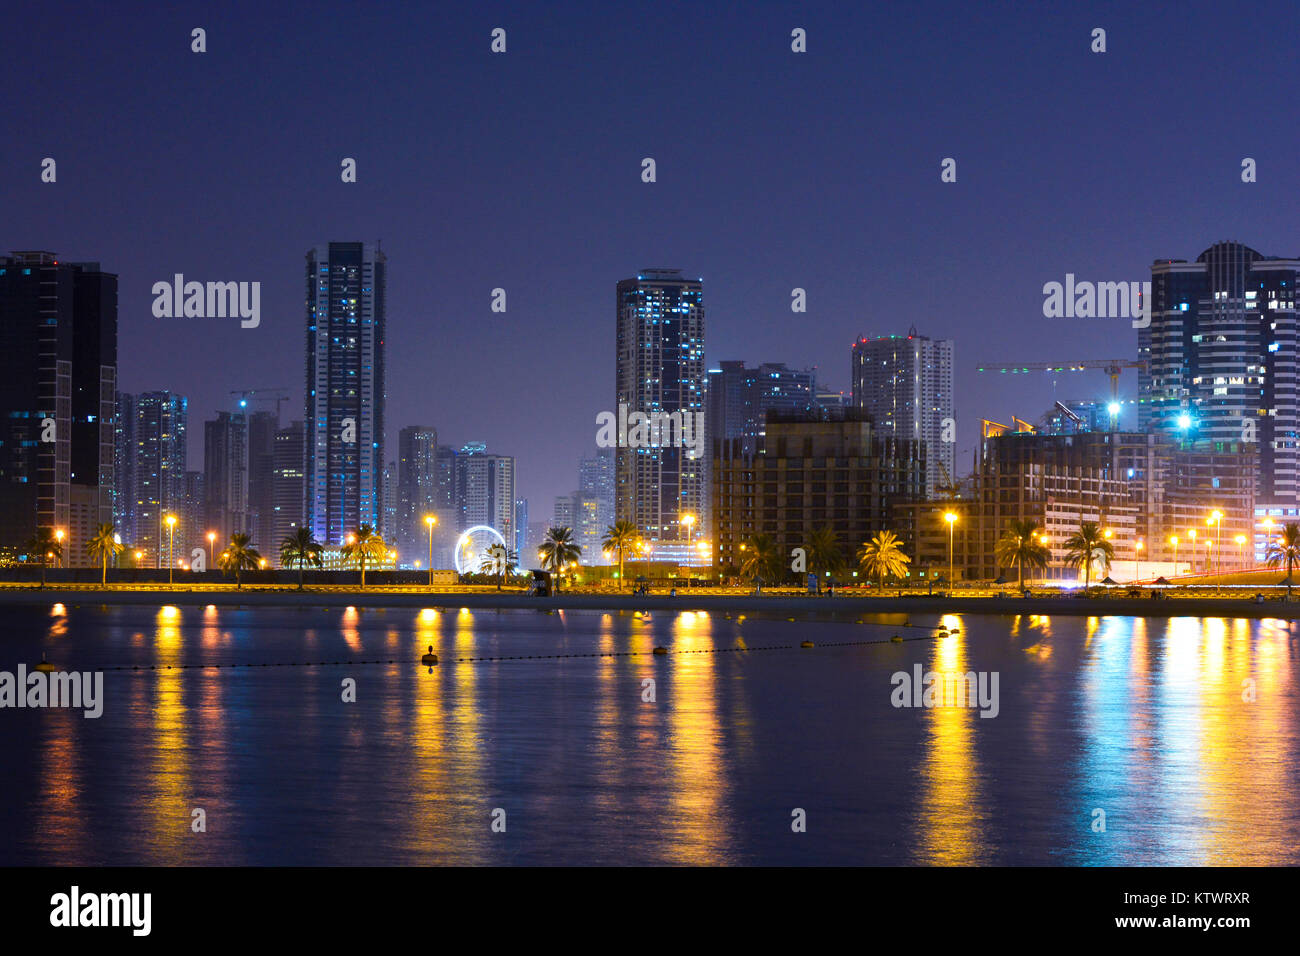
1210,469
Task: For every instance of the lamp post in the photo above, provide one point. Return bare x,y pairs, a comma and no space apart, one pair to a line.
1137,547
431,520
212,547
951,518
171,542
1216,518
1241,550
689,521
58,536
1174,541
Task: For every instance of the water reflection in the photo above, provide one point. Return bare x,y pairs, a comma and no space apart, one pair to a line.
1183,731
950,818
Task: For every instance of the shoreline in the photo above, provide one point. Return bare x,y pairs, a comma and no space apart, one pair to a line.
1243,607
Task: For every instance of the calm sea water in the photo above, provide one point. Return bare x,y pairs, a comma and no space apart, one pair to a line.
1146,720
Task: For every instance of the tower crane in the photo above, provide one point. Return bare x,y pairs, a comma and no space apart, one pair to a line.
1112,367
246,395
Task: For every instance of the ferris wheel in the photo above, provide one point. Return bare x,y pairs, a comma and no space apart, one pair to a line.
472,546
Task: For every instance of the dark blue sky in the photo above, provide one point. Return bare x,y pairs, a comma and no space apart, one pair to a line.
522,171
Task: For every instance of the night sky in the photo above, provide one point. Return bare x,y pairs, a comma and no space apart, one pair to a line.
775,170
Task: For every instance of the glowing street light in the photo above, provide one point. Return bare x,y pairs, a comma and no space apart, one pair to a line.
1137,546
951,518
1173,539
1216,519
212,545
171,543
1241,550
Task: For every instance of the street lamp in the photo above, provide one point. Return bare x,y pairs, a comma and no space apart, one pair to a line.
1241,550
1216,520
171,542
212,546
689,521
1137,547
431,520
1174,541
58,536
951,518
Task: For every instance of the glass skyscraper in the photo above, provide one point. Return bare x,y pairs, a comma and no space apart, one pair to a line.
344,413
1221,355
659,370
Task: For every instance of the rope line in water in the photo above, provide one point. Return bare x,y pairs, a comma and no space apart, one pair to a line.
515,657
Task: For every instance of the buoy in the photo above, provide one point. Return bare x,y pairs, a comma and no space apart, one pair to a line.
45,667
661,650
896,639
807,644
430,658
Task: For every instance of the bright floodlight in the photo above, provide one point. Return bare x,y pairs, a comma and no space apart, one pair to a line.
1113,408
1184,421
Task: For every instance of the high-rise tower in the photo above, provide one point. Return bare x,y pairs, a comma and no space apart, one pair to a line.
344,416
660,373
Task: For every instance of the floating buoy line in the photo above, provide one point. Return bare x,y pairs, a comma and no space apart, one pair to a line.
430,658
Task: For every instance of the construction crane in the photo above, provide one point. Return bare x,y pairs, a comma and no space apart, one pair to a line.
247,395
1112,367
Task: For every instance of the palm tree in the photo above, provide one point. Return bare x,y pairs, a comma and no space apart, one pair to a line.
558,550
301,548
882,557
1020,545
759,559
1085,546
498,560
47,545
365,545
621,537
824,554
104,546
239,557
1287,549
